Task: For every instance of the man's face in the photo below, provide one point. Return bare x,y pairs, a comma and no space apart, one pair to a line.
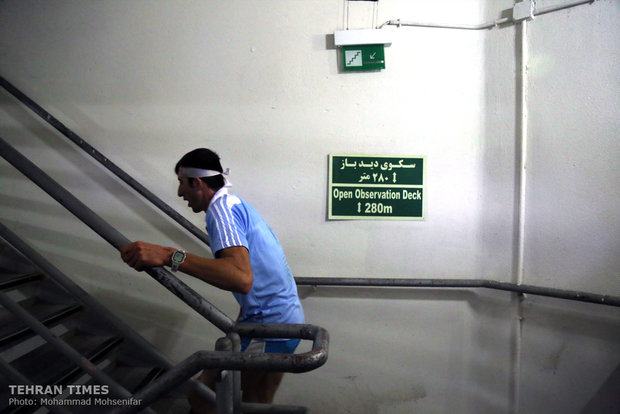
190,192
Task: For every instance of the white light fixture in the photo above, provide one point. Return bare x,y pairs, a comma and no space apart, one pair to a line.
362,37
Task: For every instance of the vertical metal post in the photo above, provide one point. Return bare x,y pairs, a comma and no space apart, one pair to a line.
224,382
236,347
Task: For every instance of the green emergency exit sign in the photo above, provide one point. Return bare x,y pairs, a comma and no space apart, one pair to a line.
363,57
375,187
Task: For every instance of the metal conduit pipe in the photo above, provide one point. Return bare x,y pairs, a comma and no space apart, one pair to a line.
461,283
568,5
487,25
482,26
113,236
46,116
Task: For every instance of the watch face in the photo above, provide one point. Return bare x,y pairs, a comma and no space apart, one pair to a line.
178,256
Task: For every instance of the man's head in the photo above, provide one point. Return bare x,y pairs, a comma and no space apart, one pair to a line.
204,159
198,176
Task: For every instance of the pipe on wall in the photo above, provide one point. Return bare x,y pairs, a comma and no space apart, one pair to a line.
486,25
460,283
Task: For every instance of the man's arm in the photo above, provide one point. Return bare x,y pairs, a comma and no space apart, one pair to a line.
230,270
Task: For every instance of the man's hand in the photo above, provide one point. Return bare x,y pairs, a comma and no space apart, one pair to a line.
141,255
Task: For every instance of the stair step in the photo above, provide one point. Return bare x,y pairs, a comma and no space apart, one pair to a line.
59,369
9,280
93,336
134,378
12,328
47,366
13,262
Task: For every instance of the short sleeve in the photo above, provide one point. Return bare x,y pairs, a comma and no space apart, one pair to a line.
225,224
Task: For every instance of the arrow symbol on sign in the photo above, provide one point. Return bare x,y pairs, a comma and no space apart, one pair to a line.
372,55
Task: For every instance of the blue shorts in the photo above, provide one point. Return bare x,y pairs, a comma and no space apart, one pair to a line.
254,346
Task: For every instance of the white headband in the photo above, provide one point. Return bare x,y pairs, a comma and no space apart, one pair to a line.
190,172
198,172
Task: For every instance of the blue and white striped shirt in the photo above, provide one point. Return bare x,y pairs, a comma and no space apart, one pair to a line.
273,298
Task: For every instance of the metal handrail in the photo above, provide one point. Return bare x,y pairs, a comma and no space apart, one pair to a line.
285,363
461,283
83,297
276,362
105,161
231,360
320,281
360,282
112,236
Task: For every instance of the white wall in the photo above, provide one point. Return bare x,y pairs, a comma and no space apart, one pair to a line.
144,82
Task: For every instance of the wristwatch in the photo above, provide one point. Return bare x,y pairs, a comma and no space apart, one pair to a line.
178,257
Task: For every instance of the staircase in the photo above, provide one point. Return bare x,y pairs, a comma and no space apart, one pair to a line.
28,358
63,352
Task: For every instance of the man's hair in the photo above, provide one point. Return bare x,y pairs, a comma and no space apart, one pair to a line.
207,160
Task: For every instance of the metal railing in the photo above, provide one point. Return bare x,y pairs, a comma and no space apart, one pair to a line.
101,311
228,357
296,363
103,160
461,283
313,281
228,360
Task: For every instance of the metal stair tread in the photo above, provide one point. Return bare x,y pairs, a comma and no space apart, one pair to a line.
59,368
12,328
11,279
133,378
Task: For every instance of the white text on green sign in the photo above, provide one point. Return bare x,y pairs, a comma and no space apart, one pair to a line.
376,187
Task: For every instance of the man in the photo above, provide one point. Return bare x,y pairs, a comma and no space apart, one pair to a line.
248,261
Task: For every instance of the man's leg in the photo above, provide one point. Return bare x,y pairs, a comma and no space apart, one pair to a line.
199,404
256,386
260,386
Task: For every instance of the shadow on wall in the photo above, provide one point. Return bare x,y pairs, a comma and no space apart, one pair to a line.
87,248
54,211
39,137
147,316
427,294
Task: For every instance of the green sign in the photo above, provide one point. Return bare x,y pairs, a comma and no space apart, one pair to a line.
363,57
367,187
